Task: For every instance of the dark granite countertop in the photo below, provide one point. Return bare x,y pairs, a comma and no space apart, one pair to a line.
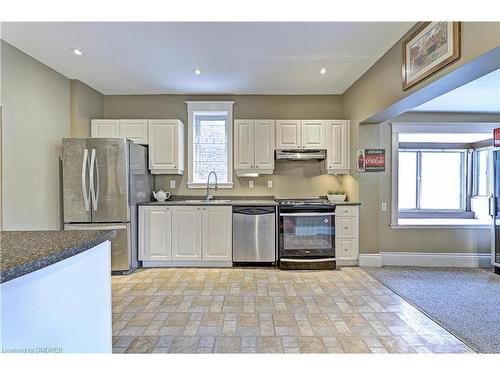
184,200
23,252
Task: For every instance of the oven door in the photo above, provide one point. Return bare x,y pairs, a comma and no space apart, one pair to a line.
307,234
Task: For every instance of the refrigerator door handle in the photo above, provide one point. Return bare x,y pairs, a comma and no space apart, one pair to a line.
85,192
491,206
92,179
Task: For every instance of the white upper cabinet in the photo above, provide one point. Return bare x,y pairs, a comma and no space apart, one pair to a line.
264,145
288,134
244,144
155,233
300,134
105,129
136,130
337,147
166,146
254,146
217,233
313,134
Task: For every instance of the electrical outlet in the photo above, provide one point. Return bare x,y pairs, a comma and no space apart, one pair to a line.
172,184
270,184
383,206
250,184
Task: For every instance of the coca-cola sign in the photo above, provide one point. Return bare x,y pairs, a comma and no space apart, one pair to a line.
371,160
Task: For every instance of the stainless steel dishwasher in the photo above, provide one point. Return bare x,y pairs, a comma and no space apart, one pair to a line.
254,234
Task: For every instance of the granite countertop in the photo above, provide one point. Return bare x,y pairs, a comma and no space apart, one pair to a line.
233,201
23,252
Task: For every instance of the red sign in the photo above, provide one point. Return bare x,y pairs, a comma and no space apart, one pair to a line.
371,160
496,137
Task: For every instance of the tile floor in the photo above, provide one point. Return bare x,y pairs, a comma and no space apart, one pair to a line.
264,310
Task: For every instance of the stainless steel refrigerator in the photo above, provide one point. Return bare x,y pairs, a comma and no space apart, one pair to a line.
103,181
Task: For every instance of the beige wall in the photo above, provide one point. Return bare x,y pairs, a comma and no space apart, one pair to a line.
379,88
289,179
35,101
86,104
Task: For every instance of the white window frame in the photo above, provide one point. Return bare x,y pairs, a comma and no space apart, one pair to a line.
210,106
424,127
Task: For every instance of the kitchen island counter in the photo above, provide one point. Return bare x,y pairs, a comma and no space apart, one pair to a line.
23,252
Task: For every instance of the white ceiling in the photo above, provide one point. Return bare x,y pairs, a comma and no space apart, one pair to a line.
480,95
244,58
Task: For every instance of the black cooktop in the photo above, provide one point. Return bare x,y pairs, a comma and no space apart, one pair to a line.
304,203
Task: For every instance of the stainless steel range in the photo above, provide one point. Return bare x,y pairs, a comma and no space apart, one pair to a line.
306,234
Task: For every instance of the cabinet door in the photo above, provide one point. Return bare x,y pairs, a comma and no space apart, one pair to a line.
243,144
217,233
155,233
163,145
186,233
288,134
337,134
313,134
264,144
136,130
105,128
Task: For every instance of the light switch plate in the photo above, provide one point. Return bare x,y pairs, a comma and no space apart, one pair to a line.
250,184
270,184
383,206
172,184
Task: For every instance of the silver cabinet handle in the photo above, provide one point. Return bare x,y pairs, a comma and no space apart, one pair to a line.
491,208
85,191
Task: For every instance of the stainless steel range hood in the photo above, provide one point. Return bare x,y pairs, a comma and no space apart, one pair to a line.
300,154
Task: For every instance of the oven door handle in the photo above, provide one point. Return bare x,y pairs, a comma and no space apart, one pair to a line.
307,213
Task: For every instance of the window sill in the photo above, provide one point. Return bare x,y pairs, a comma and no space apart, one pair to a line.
442,224
201,185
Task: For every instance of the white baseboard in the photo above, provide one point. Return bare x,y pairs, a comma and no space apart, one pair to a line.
436,259
370,260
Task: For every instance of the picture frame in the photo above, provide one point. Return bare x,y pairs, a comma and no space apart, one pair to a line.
429,49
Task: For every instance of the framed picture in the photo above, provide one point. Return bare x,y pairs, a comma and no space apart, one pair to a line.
429,49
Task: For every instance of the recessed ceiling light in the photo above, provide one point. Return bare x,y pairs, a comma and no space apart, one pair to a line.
76,51
322,71
197,71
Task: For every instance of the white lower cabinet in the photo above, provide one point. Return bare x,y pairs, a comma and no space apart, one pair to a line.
191,235
155,233
346,234
217,231
186,233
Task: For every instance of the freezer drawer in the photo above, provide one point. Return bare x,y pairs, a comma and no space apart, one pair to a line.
122,258
254,234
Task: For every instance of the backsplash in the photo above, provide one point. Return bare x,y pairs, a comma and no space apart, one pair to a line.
290,180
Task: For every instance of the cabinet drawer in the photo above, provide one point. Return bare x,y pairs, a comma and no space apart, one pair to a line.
345,227
345,211
346,249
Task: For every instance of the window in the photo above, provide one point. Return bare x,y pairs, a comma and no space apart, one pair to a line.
432,180
440,174
210,143
481,175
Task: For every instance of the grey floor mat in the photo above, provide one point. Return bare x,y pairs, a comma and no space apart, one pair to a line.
465,301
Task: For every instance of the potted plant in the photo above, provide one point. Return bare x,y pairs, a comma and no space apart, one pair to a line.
337,195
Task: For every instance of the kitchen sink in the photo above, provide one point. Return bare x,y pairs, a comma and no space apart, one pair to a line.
205,201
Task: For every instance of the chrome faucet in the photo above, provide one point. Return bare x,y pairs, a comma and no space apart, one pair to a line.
210,196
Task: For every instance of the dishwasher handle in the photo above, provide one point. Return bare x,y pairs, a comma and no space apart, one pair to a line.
252,210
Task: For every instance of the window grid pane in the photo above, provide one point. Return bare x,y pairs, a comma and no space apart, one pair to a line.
210,147
407,176
441,180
